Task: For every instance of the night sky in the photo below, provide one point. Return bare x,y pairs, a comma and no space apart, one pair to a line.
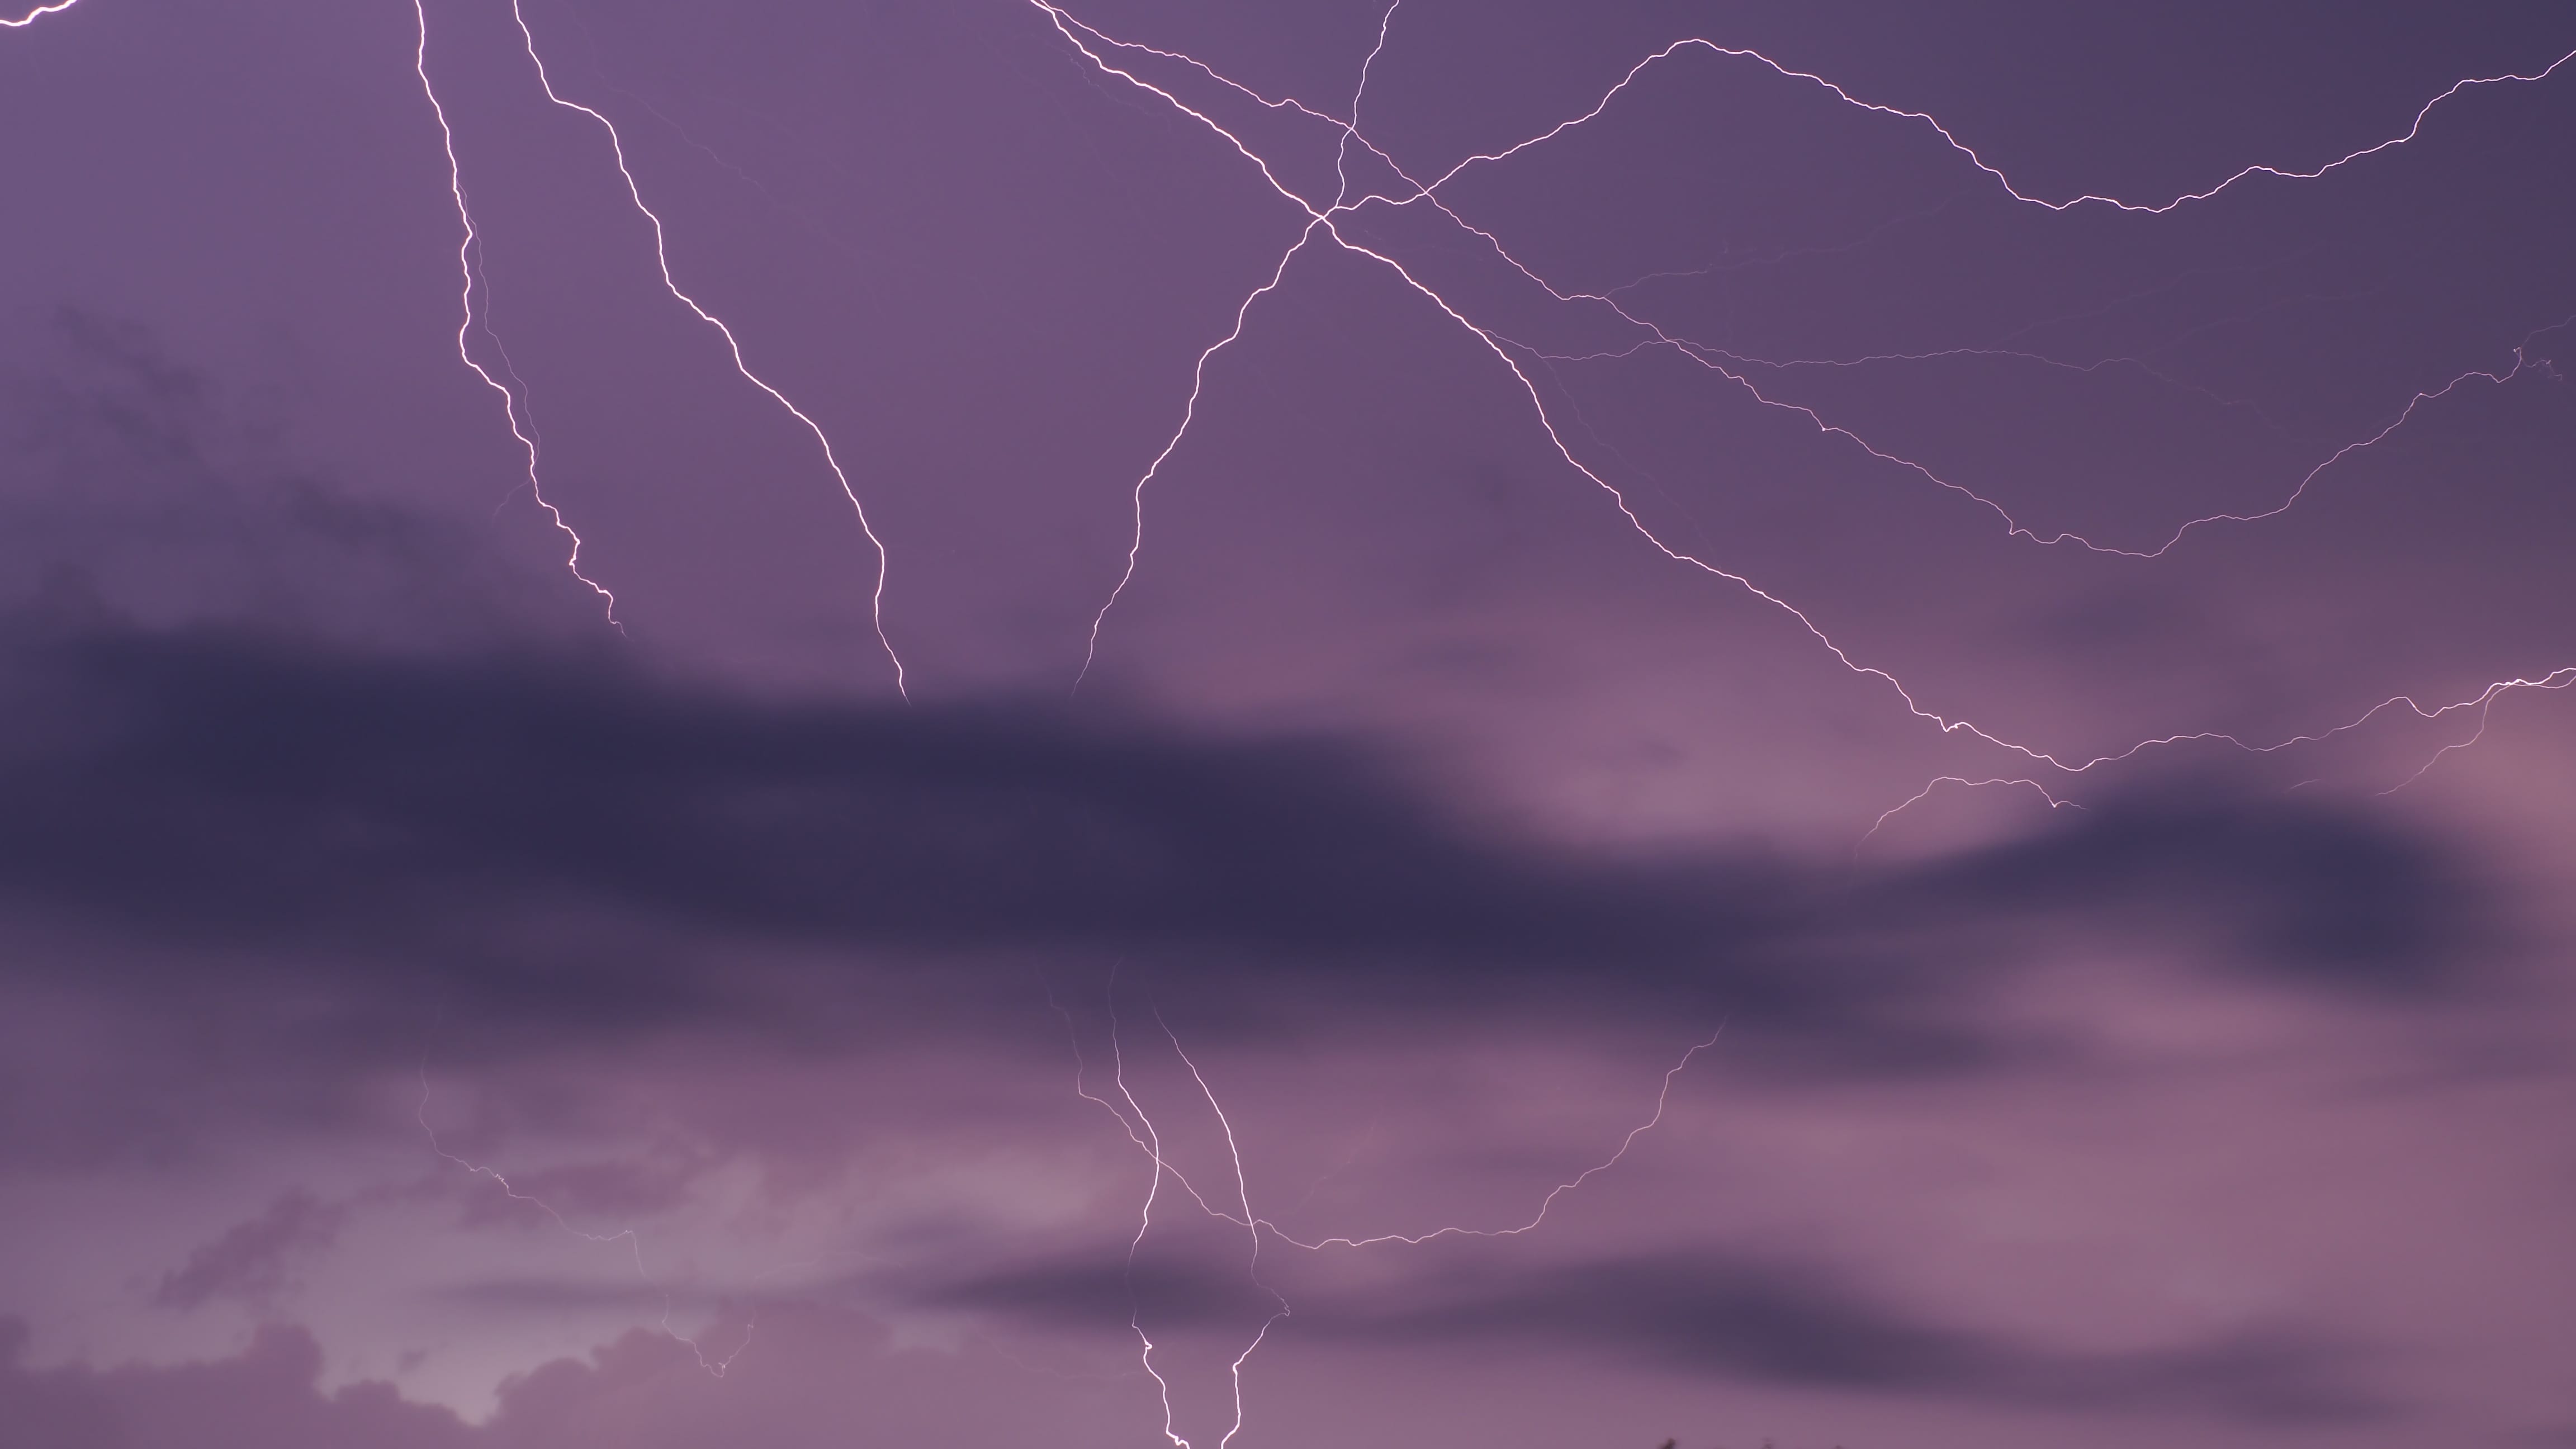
1180,722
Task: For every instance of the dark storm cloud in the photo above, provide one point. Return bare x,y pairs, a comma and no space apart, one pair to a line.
1099,1293
1723,1316
2318,896
1747,1319
440,814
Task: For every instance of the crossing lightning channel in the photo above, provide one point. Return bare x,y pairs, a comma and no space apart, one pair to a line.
1098,47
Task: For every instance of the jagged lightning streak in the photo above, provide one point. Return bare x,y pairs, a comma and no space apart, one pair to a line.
1252,1224
633,1240
1083,36
1152,1142
1198,372
1141,1131
1189,414
1145,1218
1150,1145
1144,1225
733,344
465,255
39,13
1963,782
1351,127
1323,219
2013,526
1428,191
1707,357
1663,1096
2016,193
2484,704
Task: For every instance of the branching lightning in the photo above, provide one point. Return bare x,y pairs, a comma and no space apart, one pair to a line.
2014,527
1964,783
733,344
1140,1130
1152,1144
1126,61
2413,130
1093,44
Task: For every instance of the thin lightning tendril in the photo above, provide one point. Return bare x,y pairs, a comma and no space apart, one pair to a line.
1189,413
1707,357
630,1237
2014,527
466,252
1149,1143
1147,1139
1145,1219
1092,42
670,283
733,344
1963,782
1970,152
1243,1193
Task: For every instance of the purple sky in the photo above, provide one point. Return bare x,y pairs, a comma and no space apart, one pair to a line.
1866,752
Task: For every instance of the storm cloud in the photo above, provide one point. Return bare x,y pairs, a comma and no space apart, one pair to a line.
420,815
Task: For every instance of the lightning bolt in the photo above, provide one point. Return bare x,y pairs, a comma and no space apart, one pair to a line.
733,344
670,283
1964,783
1093,43
466,252
1690,43
1707,357
2014,527
1152,1143
39,13
1189,414
633,1240
1138,1125
1323,219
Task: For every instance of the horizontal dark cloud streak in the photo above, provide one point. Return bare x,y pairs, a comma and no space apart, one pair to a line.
436,818
1713,1314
